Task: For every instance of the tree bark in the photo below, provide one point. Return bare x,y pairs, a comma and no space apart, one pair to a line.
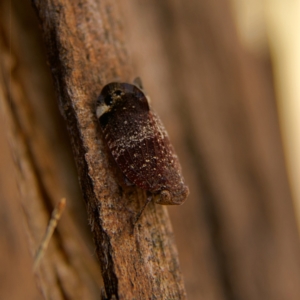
38,172
236,233
86,49
242,240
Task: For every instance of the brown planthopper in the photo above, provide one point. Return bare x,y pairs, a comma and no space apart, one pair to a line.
140,144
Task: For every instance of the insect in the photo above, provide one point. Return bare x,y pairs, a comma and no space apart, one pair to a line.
140,144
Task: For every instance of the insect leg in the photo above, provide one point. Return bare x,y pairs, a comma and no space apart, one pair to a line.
149,198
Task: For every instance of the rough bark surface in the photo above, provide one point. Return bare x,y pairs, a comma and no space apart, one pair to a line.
36,173
85,46
236,233
239,222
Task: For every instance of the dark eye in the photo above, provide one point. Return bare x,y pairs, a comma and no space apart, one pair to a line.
118,93
104,119
108,100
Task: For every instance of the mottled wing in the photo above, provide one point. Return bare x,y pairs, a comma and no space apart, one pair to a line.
140,144
132,142
145,154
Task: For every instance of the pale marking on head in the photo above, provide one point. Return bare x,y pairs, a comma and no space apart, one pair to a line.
101,109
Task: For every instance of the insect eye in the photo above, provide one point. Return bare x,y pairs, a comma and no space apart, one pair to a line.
104,119
108,100
118,93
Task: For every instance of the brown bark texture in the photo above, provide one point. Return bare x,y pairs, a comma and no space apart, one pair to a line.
86,49
37,170
236,234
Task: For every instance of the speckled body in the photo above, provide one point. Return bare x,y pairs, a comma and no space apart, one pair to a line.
139,143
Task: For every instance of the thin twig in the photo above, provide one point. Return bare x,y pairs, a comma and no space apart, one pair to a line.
56,214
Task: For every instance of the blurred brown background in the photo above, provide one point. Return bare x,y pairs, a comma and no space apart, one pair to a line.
212,70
